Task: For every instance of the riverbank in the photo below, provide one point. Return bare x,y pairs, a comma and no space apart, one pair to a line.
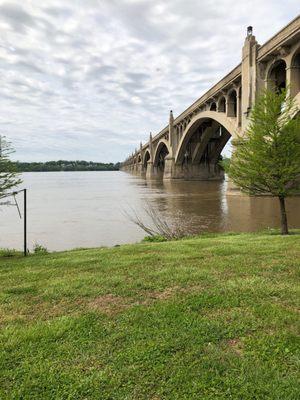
214,317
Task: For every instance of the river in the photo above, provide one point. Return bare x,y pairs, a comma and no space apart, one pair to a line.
88,209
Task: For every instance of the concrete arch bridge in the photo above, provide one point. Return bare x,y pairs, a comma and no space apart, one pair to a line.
190,146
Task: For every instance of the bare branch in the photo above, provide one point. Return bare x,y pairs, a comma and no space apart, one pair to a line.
158,224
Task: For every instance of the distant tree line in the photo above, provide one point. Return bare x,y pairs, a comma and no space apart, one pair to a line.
63,165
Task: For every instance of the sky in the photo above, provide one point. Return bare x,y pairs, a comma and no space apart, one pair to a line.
90,79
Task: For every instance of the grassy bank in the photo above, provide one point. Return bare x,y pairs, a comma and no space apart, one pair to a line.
205,318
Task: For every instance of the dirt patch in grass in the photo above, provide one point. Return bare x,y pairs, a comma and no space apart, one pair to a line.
236,345
36,308
168,293
110,304
162,295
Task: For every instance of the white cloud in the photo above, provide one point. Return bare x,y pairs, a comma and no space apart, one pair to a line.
90,79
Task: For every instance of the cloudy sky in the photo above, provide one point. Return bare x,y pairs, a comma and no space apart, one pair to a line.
89,79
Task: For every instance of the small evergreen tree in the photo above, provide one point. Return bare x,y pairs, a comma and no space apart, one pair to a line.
266,160
9,178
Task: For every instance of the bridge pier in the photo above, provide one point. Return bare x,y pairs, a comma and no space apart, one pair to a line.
150,170
169,169
140,170
189,171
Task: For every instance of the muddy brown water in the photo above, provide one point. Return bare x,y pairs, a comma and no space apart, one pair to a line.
88,209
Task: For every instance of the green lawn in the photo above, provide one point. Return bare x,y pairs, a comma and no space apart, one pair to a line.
215,317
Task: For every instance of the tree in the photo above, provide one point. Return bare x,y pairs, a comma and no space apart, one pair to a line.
9,178
266,160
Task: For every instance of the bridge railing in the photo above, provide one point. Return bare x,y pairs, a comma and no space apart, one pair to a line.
229,78
280,37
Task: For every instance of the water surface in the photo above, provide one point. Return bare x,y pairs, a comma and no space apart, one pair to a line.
88,209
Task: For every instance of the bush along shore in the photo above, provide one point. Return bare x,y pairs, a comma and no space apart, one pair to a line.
212,317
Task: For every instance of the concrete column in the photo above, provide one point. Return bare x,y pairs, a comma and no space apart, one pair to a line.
171,134
150,170
138,168
151,148
141,150
249,73
176,136
170,160
238,107
288,76
169,166
293,79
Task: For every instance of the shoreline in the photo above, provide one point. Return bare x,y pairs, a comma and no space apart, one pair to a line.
12,252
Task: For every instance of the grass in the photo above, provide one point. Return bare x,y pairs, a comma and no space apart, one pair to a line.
215,317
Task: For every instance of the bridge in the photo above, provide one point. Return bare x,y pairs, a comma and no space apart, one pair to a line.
190,146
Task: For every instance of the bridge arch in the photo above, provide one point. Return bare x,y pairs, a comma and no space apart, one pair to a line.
276,75
222,104
146,158
162,150
206,119
213,106
232,103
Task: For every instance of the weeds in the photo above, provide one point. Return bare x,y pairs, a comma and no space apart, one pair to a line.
39,249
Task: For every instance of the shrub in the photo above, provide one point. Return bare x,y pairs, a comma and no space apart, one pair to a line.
9,253
156,238
39,249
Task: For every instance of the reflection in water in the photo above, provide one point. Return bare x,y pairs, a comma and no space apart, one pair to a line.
202,209
86,209
208,202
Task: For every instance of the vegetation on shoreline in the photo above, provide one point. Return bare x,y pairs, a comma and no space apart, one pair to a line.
64,165
9,177
212,317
